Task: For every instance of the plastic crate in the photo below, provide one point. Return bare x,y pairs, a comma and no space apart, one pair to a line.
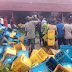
34,52
22,63
69,69
40,68
9,60
62,56
58,50
67,64
60,68
19,46
9,29
10,39
51,63
21,38
42,54
52,51
51,34
67,49
5,44
7,33
23,53
12,34
39,56
9,52
45,37
17,34
51,42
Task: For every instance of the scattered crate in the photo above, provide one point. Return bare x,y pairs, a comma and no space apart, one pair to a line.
62,56
51,63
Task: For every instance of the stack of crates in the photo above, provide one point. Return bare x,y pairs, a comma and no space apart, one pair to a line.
67,49
62,56
39,56
51,37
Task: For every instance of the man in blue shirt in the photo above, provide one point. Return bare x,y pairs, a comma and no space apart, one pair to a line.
60,32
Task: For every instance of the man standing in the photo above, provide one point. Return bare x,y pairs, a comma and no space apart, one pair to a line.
30,30
68,33
60,32
1,21
5,21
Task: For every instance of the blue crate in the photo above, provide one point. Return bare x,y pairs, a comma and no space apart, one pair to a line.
40,68
1,50
63,46
25,52
16,40
68,64
62,56
7,33
5,41
68,50
51,63
17,34
9,29
10,60
10,39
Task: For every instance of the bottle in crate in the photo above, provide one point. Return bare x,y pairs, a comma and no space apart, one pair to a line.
60,68
62,56
51,63
22,64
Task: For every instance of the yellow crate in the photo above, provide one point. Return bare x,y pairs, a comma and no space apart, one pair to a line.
60,68
51,42
34,64
3,39
51,34
9,52
34,52
12,34
45,37
21,38
51,56
69,69
39,57
52,51
22,64
42,54
45,49
12,43
19,46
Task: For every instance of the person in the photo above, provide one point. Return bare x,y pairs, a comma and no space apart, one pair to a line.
44,31
1,21
5,21
60,31
68,33
11,21
30,30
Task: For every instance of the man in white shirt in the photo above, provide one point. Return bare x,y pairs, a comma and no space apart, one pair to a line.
1,21
68,33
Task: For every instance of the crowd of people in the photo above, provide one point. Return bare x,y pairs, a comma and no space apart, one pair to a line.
63,31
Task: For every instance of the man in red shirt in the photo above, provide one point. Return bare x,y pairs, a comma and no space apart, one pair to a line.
5,21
